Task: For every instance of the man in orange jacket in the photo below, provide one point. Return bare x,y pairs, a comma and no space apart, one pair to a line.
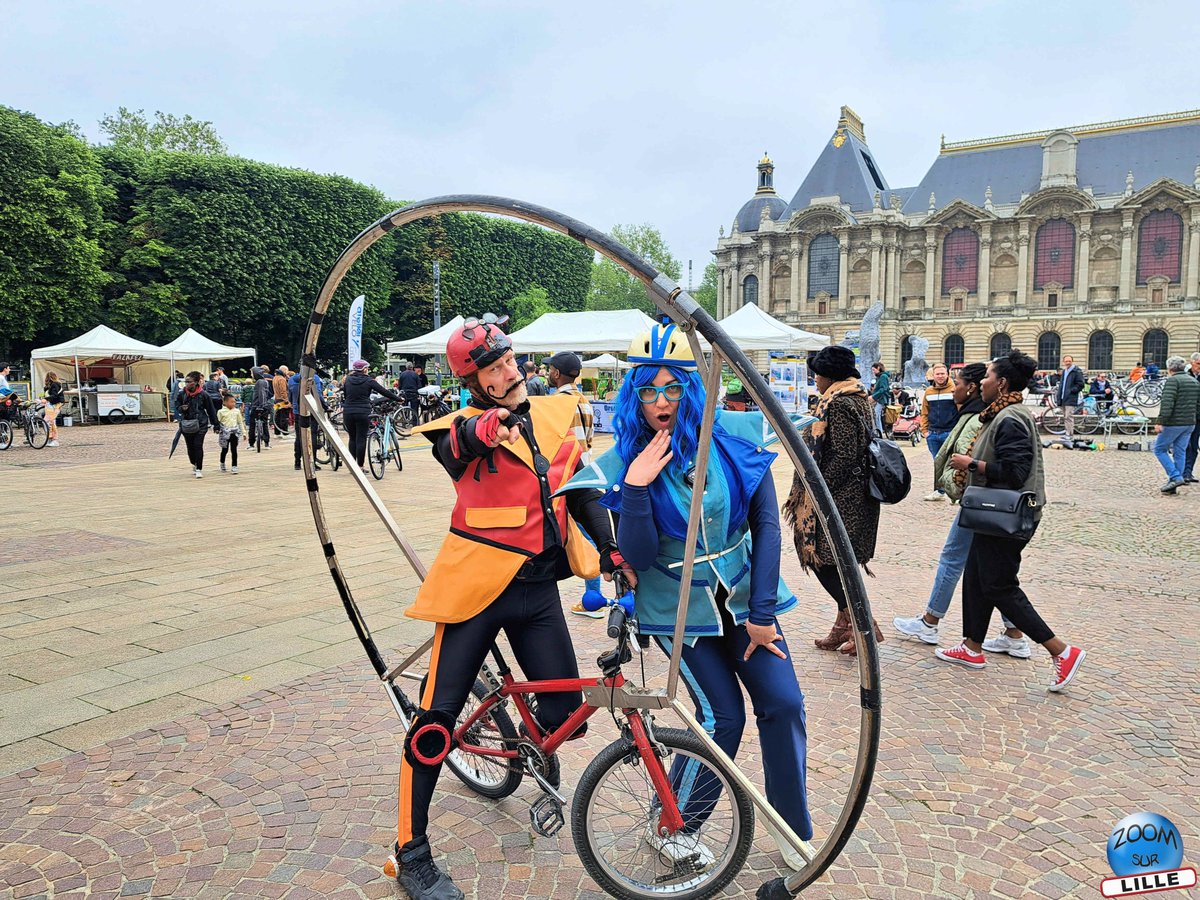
510,542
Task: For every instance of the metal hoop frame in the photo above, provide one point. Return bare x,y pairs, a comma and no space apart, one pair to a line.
693,320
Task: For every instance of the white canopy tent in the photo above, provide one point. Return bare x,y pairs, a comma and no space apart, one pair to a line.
754,329
192,350
142,364
429,344
606,361
593,331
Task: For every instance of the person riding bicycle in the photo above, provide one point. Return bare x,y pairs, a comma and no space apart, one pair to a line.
510,542
732,632
261,406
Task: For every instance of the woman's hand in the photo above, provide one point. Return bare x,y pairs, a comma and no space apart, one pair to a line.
645,468
763,636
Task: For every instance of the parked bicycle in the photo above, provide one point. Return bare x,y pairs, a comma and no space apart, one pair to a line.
26,417
383,440
654,814
433,403
1094,415
260,425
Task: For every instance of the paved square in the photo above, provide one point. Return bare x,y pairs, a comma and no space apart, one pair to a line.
186,712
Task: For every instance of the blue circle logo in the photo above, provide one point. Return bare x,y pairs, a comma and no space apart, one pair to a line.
1144,842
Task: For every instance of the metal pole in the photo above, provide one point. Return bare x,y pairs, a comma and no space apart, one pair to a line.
437,295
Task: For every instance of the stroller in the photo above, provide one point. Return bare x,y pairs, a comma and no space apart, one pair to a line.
907,422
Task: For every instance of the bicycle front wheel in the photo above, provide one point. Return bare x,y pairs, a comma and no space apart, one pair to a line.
375,455
1125,426
38,433
615,817
1086,422
6,436
395,454
1052,420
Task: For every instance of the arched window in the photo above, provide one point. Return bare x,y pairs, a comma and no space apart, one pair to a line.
1000,345
1049,345
960,261
823,265
750,290
1054,260
953,352
1154,347
1160,244
1100,345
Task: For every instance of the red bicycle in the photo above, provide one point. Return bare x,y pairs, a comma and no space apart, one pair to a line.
654,814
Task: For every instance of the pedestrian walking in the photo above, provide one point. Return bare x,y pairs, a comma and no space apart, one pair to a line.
1178,413
54,402
1189,464
356,408
297,412
212,387
1007,453
261,405
283,403
534,385
881,394
231,431
938,415
408,386
222,379
1066,394
838,439
196,415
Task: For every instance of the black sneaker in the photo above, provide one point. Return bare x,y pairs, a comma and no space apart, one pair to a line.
419,875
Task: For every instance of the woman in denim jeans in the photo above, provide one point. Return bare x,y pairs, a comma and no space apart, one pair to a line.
953,560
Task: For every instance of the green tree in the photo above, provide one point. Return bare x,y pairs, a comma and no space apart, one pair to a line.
131,130
614,288
706,293
530,305
52,197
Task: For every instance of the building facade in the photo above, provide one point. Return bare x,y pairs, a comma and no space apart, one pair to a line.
1081,241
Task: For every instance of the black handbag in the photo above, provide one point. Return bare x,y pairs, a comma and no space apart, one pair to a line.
998,512
189,426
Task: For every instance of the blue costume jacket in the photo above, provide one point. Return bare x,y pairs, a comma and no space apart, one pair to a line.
737,464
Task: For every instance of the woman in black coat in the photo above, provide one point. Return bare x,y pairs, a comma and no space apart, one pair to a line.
196,415
356,407
838,440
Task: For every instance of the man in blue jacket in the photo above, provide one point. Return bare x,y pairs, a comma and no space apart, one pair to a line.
1070,383
294,397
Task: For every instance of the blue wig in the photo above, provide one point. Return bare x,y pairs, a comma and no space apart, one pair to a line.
632,431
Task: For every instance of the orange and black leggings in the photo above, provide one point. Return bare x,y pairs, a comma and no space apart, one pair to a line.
531,616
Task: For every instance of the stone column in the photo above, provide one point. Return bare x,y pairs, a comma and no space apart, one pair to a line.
794,287
930,266
1023,264
1127,256
735,291
1193,267
876,281
984,294
889,268
721,276
764,277
1083,260
843,297
898,259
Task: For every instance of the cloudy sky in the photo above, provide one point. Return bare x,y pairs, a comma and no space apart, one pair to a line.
610,112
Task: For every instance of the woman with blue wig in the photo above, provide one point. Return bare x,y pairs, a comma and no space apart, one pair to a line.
732,635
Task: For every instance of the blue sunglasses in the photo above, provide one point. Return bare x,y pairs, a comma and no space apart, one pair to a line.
673,392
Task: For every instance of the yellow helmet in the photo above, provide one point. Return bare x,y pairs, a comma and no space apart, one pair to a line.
662,345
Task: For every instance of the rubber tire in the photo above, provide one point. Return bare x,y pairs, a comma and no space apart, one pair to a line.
396,454
1087,423
324,455
115,416
499,715
614,755
1145,395
375,455
1052,421
1131,428
39,433
6,435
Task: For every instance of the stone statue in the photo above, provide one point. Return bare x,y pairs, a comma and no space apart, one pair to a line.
916,367
868,342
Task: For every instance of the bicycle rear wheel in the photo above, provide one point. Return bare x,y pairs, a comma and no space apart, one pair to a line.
38,433
615,815
493,777
1125,426
6,436
375,457
1052,421
1146,394
394,451
1086,422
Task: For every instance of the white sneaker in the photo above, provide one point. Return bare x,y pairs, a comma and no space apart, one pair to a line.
935,496
794,860
917,627
234,470
680,848
1018,647
52,444
199,474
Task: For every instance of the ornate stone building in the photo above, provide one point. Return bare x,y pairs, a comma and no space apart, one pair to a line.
1081,241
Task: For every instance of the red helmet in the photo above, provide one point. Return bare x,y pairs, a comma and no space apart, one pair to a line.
478,343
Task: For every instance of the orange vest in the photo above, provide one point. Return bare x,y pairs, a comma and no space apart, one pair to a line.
498,516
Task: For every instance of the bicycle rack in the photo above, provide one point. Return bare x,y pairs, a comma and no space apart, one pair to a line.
695,322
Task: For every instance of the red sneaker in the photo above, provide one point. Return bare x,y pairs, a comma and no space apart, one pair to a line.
962,655
1065,667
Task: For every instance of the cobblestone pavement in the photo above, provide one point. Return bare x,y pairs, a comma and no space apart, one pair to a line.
185,712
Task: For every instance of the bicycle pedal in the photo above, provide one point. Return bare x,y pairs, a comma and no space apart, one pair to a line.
546,816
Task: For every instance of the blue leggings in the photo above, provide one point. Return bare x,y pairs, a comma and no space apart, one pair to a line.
711,669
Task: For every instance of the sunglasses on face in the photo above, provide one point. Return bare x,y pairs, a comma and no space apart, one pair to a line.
650,393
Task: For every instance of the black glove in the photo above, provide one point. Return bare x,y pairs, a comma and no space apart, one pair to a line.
611,560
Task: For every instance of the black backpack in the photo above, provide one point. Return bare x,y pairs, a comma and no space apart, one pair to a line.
889,480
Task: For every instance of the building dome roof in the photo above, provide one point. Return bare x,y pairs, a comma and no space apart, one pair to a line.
750,214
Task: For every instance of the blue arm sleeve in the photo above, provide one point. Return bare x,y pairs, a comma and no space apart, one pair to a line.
764,554
637,535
